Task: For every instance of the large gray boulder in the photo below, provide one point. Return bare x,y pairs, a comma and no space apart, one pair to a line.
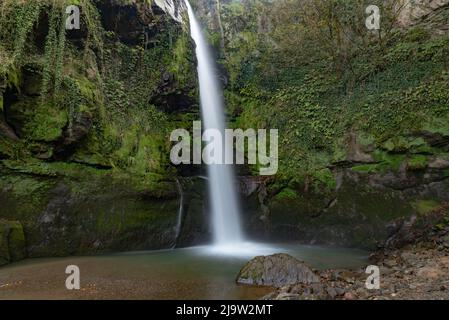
277,270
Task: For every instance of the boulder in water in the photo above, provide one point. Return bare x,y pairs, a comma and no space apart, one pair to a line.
276,270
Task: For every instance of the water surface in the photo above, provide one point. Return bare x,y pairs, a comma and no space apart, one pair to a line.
191,273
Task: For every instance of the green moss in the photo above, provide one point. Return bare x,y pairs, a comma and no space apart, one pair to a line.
443,224
446,173
387,161
4,249
417,34
396,144
41,121
425,206
438,126
419,145
47,125
324,177
180,62
417,162
16,241
286,193
366,168
12,241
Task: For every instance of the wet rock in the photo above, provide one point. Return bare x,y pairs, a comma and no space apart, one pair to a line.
6,130
430,273
276,270
74,216
419,272
288,296
350,296
12,242
4,250
356,152
438,163
332,292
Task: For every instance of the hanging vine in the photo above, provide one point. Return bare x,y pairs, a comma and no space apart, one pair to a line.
16,23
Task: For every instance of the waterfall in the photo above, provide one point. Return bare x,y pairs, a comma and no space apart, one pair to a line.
225,210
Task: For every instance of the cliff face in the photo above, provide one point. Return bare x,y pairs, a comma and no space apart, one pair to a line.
361,115
85,117
84,120
413,12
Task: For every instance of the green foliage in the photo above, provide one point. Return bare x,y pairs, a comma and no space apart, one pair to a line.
286,194
444,224
324,177
54,50
22,17
180,62
333,77
417,162
426,206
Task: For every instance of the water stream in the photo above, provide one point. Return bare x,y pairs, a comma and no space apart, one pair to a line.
226,225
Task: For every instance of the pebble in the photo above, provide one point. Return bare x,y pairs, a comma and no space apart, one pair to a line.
349,296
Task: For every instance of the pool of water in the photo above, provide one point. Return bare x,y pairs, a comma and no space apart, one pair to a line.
191,273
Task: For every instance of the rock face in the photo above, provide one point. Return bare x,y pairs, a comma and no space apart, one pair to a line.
358,211
195,222
86,170
173,7
413,270
414,11
84,214
276,270
12,242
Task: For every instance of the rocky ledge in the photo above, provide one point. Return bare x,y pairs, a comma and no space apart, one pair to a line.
413,264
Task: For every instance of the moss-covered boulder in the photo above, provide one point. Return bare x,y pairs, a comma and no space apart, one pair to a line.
4,249
73,209
360,210
12,242
277,270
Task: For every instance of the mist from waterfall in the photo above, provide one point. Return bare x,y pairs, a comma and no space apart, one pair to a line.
227,230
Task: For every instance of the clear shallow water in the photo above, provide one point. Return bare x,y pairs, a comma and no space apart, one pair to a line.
191,273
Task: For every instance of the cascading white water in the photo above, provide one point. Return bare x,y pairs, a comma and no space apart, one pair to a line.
225,211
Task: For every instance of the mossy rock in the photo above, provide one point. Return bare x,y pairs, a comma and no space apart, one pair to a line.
74,209
417,162
4,250
12,242
286,193
16,241
366,168
37,121
424,207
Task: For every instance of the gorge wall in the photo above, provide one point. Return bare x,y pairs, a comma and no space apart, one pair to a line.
85,118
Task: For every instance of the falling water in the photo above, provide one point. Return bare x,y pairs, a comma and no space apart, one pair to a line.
180,212
225,213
